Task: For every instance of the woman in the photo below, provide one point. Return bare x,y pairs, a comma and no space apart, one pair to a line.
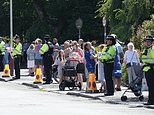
76,58
89,58
38,57
108,55
131,60
101,76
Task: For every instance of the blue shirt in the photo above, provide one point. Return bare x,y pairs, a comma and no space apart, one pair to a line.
90,63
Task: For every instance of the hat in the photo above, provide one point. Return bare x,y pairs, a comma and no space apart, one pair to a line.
114,35
110,37
47,37
149,37
16,37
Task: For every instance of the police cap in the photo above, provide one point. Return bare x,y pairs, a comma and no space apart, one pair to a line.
16,37
47,37
149,37
110,37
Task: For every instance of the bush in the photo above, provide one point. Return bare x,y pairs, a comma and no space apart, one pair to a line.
124,75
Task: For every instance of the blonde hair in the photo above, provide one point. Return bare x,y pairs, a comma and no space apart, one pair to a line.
38,40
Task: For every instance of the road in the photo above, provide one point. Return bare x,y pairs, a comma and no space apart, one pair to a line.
17,99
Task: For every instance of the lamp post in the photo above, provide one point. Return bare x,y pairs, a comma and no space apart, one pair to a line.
11,40
104,25
11,24
79,24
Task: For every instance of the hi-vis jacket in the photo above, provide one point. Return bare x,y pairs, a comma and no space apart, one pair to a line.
44,49
108,54
2,48
148,59
17,51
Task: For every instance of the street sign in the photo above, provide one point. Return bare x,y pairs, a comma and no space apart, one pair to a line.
79,23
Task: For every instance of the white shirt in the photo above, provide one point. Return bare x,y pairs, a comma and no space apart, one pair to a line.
131,57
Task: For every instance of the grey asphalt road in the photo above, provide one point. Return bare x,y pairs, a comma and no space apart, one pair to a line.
16,99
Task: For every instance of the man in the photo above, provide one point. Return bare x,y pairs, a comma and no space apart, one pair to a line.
148,61
2,52
47,59
16,53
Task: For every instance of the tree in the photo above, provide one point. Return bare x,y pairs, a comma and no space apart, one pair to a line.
34,18
125,15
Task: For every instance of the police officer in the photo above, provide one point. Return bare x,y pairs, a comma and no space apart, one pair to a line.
2,52
47,59
16,53
108,54
148,61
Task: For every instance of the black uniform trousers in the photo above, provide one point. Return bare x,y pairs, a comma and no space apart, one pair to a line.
149,75
1,62
47,62
17,66
108,71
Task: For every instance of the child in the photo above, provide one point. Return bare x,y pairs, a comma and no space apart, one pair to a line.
31,59
60,61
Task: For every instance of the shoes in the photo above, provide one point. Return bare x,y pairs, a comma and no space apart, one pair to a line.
108,94
118,89
14,78
46,83
148,103
101,90
31,74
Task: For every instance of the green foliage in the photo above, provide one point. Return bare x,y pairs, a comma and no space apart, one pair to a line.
147,28
124,74
34,18
125,15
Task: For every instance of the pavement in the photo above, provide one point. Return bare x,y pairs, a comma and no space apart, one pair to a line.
54,87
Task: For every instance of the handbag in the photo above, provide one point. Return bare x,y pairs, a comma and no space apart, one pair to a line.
129,64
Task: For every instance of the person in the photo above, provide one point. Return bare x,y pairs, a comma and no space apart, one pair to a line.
7,48
147,58
25,46
60,62
131,59
2,52
117,72
101,76
16,53
67,49
55,41
107,58
89,55
76,57
31,59
80,42
47,59
38,57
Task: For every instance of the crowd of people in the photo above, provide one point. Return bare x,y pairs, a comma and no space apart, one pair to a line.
106,62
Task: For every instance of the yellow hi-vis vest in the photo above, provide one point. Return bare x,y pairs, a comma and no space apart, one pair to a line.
108,54
2,48
148,59
17,50
44,49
